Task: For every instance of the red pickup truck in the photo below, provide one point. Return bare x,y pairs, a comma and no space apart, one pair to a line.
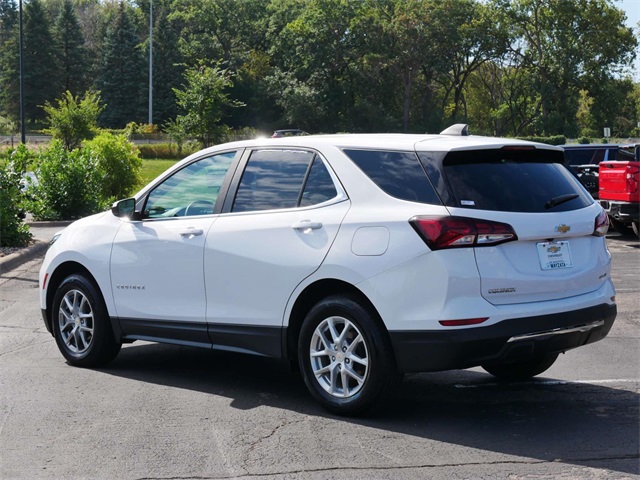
619,189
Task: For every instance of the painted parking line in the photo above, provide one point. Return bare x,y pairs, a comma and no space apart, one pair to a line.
552,382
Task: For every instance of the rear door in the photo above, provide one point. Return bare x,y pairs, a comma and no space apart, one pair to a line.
275,232
556,254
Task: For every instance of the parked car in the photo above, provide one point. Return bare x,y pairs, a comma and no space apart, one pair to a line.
356,257
584,160
620,189
292,132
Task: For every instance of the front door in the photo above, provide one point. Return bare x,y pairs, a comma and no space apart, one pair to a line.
157,263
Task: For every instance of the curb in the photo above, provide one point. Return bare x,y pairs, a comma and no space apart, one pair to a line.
39,247
16,259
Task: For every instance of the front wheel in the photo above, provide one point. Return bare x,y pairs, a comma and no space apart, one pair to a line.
635,225
81,324
521,370
346,356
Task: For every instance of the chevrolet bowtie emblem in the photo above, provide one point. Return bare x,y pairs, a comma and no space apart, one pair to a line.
563,228
553,249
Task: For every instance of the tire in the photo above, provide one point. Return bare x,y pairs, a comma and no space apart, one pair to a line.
345,356
521,370
635,225
81,324
619,226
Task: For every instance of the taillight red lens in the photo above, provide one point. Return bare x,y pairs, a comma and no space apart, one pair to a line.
458,232
601,224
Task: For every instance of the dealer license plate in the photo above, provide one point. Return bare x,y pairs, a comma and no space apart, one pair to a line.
554,255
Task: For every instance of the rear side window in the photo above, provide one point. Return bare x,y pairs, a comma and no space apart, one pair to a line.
399,174
319,186
512,181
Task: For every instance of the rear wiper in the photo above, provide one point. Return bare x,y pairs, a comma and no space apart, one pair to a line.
560,199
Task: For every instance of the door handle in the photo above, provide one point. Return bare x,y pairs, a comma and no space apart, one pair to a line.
191,232
307,225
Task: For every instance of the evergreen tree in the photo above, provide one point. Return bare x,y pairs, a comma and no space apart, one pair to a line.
167,71
40,62
122,73
8,19
9,61
71,50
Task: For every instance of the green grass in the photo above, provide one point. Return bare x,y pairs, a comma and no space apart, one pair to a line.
151,168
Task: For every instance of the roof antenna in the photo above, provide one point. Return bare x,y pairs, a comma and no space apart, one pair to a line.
459,129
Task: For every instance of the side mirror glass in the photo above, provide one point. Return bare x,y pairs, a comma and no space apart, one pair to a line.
125,208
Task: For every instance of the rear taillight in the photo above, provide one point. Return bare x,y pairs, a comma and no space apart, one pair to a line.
632,179
601,224
460,232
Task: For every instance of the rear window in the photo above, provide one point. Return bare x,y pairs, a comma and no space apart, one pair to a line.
399,174
512,181
585,156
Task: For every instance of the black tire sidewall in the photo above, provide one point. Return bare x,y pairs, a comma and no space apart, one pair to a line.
103,346
381,362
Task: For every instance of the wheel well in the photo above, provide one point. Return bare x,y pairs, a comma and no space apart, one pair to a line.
307,299
63,271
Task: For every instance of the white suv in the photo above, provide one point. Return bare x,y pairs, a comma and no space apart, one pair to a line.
356,257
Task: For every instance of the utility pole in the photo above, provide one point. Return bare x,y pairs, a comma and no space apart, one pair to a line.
22,128
150,62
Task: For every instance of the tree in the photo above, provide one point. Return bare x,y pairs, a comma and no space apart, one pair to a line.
9,61
167,67
40,62
72,53
557,41
74,120
203,100
121,79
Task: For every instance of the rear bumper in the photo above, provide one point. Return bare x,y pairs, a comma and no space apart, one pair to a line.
507,341
621,211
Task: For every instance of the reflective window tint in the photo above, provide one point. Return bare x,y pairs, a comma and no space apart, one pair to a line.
399,174
319,187
272,180
515,182
192,190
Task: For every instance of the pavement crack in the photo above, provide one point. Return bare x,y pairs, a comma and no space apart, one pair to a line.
23,348
397,467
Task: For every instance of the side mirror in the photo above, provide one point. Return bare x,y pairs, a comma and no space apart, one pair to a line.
125,208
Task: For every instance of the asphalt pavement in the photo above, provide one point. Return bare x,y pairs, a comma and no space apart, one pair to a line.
173,412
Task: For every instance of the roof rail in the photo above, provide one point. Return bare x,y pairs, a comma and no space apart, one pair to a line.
459,129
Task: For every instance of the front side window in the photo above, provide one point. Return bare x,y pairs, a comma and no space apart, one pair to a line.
190,191
273,179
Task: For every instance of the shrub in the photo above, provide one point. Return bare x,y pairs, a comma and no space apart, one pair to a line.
552,140
69,185
167,150
74,120
118,162
584,140
13,233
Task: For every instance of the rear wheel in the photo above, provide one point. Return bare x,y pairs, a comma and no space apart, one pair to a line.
619,226
346,357
81,324
521,370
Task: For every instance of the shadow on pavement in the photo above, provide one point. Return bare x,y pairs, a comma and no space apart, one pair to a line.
573,423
